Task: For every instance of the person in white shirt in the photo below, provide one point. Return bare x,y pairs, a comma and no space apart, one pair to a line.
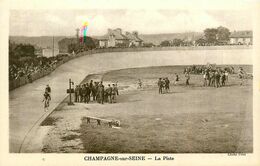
205,79
226,76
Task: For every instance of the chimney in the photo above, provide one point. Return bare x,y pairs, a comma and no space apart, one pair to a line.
109,31
77,33
135,33
119,30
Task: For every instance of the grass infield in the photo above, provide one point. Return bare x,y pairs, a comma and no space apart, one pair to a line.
188,119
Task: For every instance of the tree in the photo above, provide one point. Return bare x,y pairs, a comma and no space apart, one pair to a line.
89,43
148,45
187,43
24,50
122,45
177,42
19,53
12,47
201,42
73,45
211,35
223,34
165,43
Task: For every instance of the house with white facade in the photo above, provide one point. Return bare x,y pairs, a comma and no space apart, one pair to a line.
241,38
116,38
50,52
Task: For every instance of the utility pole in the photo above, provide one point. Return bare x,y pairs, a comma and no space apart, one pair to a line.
77,34
70,91
52,45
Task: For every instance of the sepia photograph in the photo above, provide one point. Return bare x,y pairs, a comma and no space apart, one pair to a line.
138,81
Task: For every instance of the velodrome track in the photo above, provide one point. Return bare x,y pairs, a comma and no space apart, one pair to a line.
25,103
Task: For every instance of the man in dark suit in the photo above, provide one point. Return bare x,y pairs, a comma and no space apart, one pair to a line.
88,91
101,92
77,94
109,93
160,85
84,93
114,93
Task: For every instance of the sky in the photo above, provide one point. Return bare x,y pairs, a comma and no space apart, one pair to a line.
63,22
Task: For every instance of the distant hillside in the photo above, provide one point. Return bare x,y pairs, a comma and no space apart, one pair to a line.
40,41
46,41
158,38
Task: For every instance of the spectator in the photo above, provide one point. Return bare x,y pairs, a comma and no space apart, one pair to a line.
187,76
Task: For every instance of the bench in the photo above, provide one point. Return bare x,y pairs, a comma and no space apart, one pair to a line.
110,123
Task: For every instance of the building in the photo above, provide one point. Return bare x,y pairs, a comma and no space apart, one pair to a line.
115,38
241,38
49,52
46,52
134,39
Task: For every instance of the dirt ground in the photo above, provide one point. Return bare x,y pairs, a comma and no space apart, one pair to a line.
193,119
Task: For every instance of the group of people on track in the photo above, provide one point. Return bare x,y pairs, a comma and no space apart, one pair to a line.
215,78
212,77
84,93
164,85
95,91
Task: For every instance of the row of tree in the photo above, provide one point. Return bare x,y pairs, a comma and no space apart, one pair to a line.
175,42
21,50
212,36
18,53
22,54
219,35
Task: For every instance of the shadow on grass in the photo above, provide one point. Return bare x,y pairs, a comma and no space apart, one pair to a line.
69,137
50,121
172,92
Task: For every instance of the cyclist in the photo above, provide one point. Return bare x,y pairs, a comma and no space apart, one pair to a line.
46,100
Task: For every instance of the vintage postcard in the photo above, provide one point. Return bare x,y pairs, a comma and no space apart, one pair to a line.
130,82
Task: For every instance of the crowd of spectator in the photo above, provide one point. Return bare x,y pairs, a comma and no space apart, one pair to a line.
32,66
212,75
200,69
215,76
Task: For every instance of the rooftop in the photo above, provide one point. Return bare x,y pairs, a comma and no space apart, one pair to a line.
241,34
133,36
117,33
